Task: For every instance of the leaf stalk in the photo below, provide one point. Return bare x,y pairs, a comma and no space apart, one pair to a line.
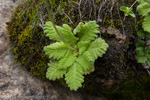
61,37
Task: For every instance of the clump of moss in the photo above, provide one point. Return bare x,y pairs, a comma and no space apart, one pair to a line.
28,39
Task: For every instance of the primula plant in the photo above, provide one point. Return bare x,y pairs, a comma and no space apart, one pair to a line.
74,53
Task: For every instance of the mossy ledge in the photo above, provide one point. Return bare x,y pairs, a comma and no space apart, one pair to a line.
116,75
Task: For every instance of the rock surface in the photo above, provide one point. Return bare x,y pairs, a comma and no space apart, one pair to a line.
18,84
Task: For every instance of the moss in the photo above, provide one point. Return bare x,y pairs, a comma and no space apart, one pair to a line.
28,40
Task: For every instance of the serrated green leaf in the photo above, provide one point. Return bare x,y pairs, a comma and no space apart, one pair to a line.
74,77
82,46
141,59
56,50
92,69
54,72
140,51
50,31
87,31
78,28
141,33
67,61
65,32
146,24
68,35
89,56
140,43
97,48
84,62
143,9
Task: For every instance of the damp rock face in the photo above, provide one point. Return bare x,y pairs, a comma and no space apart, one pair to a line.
118,67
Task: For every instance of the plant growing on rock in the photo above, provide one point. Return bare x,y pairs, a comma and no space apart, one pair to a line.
74,53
